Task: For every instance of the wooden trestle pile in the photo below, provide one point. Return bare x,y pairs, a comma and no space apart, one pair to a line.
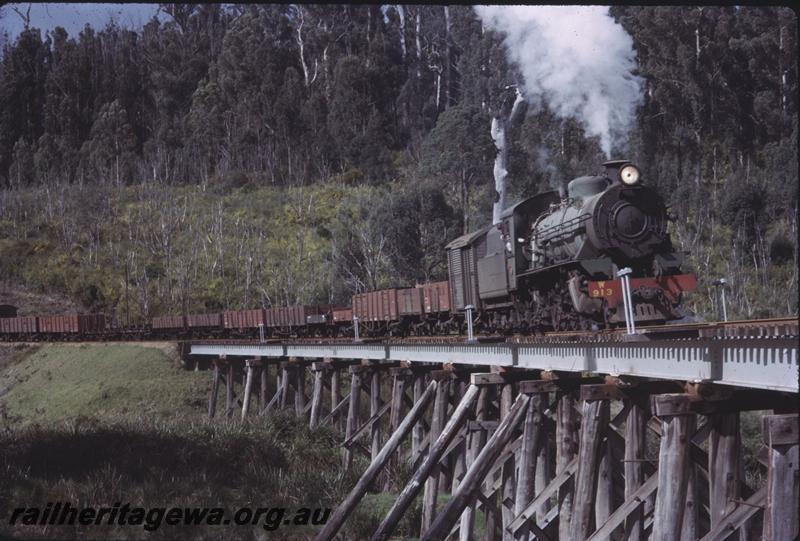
546,456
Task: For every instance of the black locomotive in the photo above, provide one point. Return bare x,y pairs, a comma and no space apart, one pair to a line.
552,262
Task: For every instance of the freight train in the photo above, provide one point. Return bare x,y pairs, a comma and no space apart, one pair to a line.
551,263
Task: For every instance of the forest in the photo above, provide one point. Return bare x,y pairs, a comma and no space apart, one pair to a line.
256,155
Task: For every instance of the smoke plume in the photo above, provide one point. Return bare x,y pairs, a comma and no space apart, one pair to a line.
577,60
550,172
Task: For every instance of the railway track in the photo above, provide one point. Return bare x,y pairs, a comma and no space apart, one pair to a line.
783,327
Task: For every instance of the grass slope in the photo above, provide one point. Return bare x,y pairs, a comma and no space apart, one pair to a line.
52,383
95,424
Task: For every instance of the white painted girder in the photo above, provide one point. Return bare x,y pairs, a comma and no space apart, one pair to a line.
761,363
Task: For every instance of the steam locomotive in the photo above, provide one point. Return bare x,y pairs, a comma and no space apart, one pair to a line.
551,263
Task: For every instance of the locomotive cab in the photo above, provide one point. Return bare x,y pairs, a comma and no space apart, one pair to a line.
508,250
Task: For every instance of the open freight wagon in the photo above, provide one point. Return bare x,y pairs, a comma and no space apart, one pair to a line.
301,320
21,325
396,310
72,324
190,324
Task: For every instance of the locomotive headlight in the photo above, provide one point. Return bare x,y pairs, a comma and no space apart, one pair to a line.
629,175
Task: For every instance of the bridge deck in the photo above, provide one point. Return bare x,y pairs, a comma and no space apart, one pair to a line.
754,362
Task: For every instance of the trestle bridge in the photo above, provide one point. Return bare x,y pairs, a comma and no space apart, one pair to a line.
571,439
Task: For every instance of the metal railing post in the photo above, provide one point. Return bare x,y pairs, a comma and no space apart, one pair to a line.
627,299
630,303
625,304
470,333
720,285
724,307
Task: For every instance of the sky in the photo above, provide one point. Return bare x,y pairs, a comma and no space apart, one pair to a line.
73,17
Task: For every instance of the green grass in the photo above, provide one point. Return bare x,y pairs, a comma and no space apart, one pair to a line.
375,506
54,383
98,424
274,462
752,441
365,519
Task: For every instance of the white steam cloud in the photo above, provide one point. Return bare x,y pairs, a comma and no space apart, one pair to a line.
577,59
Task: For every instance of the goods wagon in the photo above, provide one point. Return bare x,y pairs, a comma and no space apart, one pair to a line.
243,319
297,315
271,317
318,319
327,315
322,315
409,301
92,323
72,323
288,316
169,322
360,309
435,297
194,321
342,315
18,325
462,256
376,305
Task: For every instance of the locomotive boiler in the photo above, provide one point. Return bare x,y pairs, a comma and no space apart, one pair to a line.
551,262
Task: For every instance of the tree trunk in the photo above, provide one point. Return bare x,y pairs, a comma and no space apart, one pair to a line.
464,205
438,88
500,172
499,134
418,41
448,61
781,70
300,43
401,14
